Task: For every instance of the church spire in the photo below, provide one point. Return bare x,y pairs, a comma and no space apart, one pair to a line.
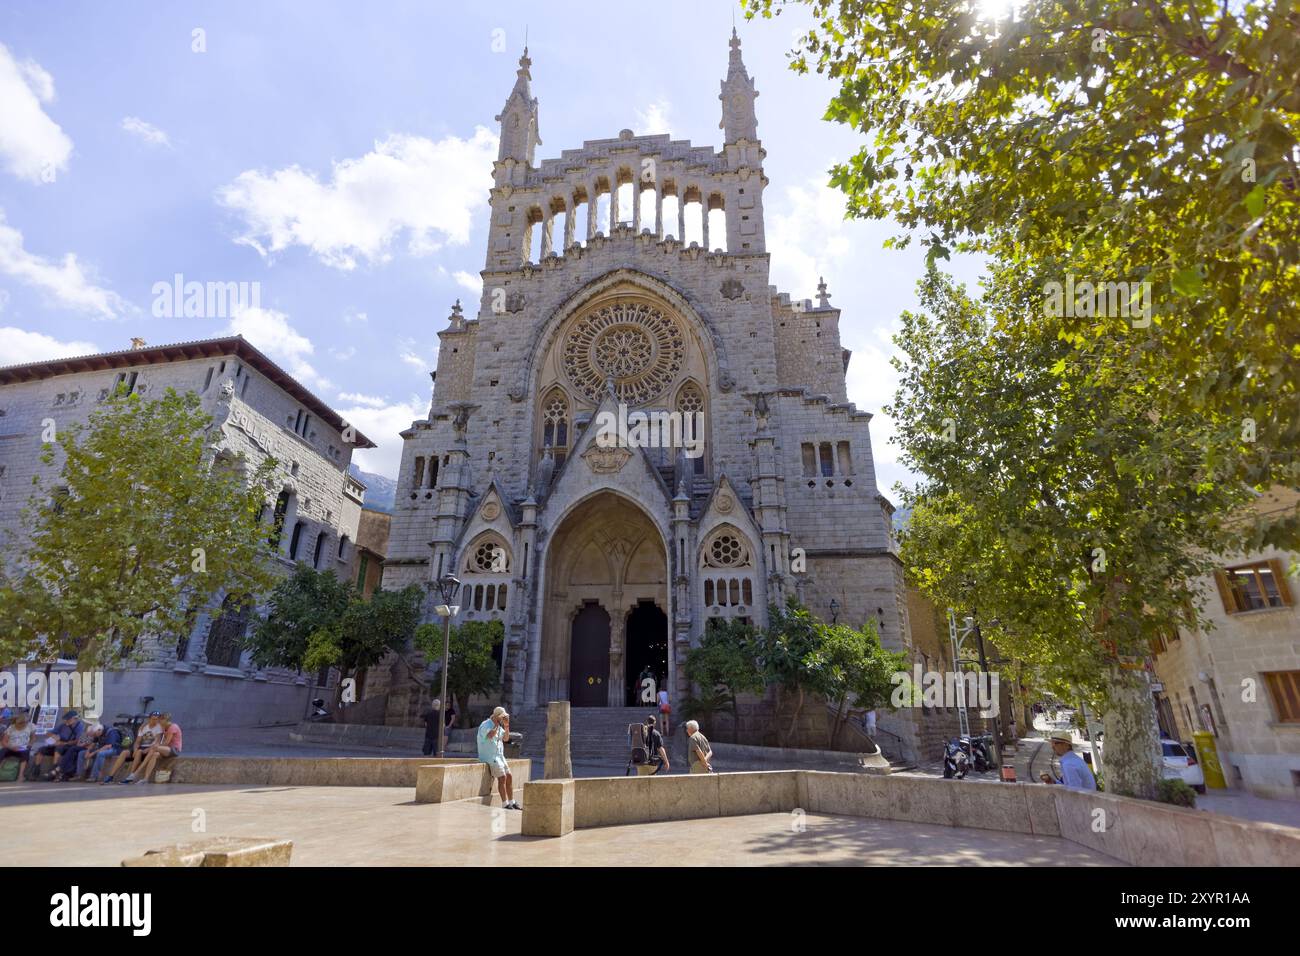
519,134
738,94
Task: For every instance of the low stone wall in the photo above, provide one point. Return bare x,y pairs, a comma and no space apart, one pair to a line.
729,757
376,735
1132,831
465,780
304,771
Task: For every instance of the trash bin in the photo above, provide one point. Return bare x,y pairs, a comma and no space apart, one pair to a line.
1207,753
514,747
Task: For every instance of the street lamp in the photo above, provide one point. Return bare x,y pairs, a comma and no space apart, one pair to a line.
448,585
835,610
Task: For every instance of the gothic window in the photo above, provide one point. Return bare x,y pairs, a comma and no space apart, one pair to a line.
728,574
320,549
225,641
633,343
295,540
490,558
690,401
726,551
418,481
555,425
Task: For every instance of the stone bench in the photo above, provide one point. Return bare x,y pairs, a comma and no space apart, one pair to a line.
465,780
1138,832
219,851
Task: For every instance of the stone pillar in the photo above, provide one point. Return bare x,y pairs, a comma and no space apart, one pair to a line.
704,222
617,639
559,763
548,239
636,206
591,210
681,216
659,209
568,220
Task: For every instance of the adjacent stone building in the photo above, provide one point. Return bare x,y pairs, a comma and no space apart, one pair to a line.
204,678
602,561
1239,679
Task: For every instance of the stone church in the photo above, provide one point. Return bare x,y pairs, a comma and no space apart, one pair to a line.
634,272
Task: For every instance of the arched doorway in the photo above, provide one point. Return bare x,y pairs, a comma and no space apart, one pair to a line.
589,657
647,650
604,559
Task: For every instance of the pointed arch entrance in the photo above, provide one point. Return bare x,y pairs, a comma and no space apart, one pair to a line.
604,561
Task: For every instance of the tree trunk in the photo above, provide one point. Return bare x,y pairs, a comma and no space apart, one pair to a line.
1132,738
837,722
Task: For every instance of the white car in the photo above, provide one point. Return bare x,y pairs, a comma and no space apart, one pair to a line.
1180,764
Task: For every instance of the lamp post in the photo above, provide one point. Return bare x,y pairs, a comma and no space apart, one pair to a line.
448,585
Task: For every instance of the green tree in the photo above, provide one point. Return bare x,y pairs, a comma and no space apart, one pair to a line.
471,669
144,526
1110,141
720,669
787,654
364,632
856,670
1057,501
305,603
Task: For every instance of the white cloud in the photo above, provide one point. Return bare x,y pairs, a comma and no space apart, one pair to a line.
430,191
32,146
271,332
370,401
66,283
468,281
344,354
19,347
410,358
653,119
383,426
146,131
809,236
355,318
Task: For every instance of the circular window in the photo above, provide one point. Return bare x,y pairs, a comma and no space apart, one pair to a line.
490,558
726,551
634,344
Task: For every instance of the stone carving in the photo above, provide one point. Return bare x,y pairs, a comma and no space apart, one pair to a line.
491,510
606,461
725,503
635,344
732,288
515,302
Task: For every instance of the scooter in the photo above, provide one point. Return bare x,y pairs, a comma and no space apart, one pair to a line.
956,762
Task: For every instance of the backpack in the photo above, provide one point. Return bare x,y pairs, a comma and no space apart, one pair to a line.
638,738
128,738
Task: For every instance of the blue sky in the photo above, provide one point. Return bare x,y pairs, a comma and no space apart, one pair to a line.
339,154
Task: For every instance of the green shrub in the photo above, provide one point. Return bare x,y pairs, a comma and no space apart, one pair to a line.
1177,792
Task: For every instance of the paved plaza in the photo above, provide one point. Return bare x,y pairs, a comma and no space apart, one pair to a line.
383,826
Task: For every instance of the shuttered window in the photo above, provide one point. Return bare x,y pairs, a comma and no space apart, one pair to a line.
1284,688
1253,587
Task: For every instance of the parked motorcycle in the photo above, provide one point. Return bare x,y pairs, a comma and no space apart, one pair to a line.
981,752
319,714
956,762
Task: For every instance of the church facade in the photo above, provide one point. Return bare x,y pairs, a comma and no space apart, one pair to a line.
604,560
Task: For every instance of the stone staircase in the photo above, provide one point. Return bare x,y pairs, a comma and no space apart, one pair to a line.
596,734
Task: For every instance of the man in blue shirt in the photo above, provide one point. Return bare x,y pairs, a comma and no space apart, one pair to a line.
1075,774
492,736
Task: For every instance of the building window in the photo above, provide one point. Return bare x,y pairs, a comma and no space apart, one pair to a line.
419,473
320,549
1253,587
555,425
1284,688
225,643
361,571
295,541
343,547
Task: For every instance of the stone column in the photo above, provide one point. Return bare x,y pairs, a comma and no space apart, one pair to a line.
559,762
636,206
548,239
568,220
704,222
681,217
659,209
617,624
591,210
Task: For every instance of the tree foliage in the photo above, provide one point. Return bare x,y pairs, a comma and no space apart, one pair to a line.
365,631
143,527
1112,141
720,669
471,668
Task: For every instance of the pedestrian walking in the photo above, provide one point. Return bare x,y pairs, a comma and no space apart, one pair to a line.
700,753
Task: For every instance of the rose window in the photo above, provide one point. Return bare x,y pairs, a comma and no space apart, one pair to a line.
634,344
